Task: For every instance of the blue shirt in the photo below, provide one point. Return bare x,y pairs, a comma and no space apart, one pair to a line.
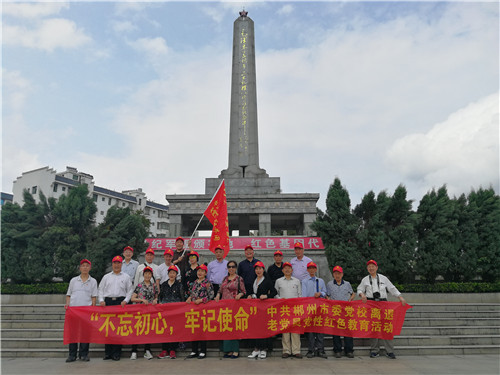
313,285
217,271
340,292
130,268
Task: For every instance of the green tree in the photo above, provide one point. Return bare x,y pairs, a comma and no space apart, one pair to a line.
121,227
488,250
337,228
436,231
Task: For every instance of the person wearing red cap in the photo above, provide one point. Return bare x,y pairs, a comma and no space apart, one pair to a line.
246,270
129,265
263,288
299,263
289,287
180,255
375,287
275,270
149,258
82,291
145,293
313,286
115,288
200,292
171,291
341,290
217,269
162,270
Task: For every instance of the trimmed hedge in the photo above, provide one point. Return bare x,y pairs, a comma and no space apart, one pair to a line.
61,288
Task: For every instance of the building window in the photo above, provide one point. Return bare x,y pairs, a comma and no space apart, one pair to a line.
75,177
140,201
123,204
109,201
95,197
103,199
102,213
54,189
64,188
146,211
33,190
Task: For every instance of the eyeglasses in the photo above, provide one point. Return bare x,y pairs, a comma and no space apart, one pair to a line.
231,266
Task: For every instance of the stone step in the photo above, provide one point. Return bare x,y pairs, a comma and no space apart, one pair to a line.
458,330
452,314
435,307
429,322
21,308
32,333
32,324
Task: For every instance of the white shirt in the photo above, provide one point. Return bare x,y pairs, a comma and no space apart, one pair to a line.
299,267
162,271
288,288
139,275
115,285
369,285
81,292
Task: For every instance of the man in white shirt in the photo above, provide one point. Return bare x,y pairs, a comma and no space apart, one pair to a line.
129,265
82,291
139,274
115,288
374,287
217,269
299,263
289,287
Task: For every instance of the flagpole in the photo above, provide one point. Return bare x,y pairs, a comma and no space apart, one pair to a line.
203,214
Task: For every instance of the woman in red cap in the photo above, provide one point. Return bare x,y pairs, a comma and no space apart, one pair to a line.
145,293
232,287
200,292
263,288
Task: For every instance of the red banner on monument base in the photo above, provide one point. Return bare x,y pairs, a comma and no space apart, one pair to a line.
216,213
231,320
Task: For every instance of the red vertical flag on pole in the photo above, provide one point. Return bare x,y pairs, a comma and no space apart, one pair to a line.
216,212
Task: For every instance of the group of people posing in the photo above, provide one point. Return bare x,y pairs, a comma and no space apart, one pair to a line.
182,278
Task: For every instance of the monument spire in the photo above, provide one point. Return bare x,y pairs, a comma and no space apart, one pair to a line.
243,129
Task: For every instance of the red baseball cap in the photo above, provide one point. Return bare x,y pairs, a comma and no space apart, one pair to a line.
117,259
128,248
259,264
169,252
338,269
278,252
371,261
150,250
195,254
147,269
179,238
173,268
85,261
248,247
312,265
287,264
202,267
298,245
218,247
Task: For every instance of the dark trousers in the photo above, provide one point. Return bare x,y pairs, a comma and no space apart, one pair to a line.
168,346
84,350
315,341
216,288
348,344
112,350
199,345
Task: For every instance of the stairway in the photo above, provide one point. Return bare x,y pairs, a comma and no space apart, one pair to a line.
36,330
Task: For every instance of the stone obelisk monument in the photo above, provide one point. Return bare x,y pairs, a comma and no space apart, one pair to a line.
243,129
255,200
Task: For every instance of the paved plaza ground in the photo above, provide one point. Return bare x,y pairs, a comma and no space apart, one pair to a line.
450,364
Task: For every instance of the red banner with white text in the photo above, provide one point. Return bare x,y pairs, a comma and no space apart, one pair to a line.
231,319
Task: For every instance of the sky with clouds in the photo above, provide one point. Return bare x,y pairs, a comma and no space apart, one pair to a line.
138,94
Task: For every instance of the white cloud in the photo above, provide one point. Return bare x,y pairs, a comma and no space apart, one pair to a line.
120,27
33,10
153,47
286,10
461,152
48,35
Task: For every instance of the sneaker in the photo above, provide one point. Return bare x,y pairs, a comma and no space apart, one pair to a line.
133,356
71,359
374,355
309,354
254,354
338,355
85,358
202,356
193,355
322,355
263,354
391,355
172,354
163,354
148,355
350,355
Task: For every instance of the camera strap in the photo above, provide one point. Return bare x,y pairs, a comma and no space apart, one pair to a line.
378,283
